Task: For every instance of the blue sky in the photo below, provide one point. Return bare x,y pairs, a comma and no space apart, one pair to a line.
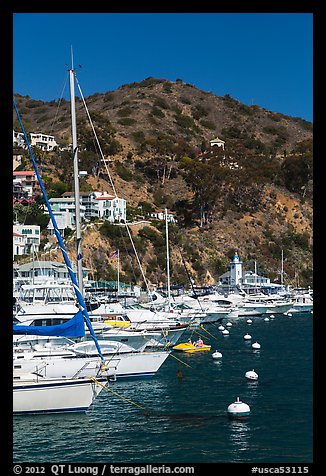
257,58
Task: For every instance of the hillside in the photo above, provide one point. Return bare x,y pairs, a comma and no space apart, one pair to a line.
256,195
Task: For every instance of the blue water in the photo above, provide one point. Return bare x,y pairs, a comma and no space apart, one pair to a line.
187,421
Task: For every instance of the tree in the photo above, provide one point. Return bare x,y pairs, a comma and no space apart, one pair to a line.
206,181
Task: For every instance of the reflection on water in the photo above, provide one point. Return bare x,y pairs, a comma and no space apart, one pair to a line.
239,436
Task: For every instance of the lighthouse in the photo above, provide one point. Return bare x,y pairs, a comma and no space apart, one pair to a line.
236,269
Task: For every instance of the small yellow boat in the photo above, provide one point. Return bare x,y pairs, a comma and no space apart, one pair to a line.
190,348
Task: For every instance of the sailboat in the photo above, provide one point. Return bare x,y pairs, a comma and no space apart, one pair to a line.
33,393
73,365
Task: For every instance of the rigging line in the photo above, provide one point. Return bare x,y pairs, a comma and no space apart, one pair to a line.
56,114
202,327
141,269
184,363
196,332
109,175
189,277
59,103
97,141
128,254
118,395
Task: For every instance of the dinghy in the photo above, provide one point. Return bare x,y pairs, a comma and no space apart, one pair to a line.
190,348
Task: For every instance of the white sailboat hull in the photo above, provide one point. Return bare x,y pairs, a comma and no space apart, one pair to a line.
138,364
56,395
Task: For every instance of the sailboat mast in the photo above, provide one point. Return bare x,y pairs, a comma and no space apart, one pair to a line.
118,264
167,258
76,179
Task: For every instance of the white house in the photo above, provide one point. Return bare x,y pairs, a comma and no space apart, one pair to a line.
254,280
28,181
32,238
42,271
18,139
161,216
43,141
101,205
63,209
111,207
217,142
19,244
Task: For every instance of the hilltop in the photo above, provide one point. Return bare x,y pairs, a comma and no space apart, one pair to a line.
255,195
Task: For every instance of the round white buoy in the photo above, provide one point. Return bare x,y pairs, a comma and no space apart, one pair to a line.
221,328
255,345
247,337
216,355
249,321
251,375
228,324
238,409
225,332
272,316
266,319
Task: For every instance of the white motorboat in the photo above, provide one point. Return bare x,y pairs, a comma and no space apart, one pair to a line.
82,360
302,302
210,311
35,394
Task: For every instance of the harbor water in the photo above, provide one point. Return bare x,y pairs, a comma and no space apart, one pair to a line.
180,415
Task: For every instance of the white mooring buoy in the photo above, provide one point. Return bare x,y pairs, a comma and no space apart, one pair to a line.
255,345
249,321
251,375
216,355
266,319
272,316
225,332
238,409
221,328
247,337
229,324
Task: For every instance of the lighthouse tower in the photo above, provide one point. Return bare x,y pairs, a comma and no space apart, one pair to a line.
236,269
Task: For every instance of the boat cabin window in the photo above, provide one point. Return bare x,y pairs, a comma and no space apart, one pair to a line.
48,322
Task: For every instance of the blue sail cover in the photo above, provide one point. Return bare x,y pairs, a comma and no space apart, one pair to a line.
73,328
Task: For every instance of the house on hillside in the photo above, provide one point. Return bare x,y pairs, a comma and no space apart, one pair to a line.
102,205
161,216
18,139
63,209
43,141
217,143
28,183
19,244
31,241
